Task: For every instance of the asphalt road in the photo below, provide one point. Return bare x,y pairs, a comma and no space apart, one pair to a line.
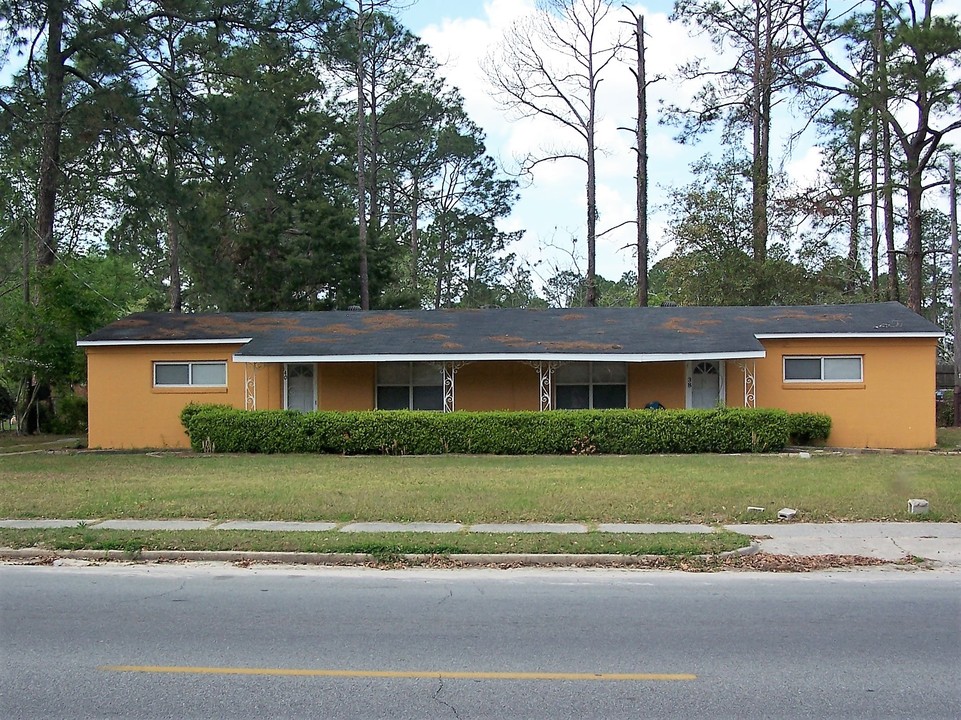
155,641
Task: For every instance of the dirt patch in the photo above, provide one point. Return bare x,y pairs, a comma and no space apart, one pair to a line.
688,327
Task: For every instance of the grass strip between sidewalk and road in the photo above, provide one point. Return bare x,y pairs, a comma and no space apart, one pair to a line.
378,545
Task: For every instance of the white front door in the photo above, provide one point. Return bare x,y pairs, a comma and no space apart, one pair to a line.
705,384
300,387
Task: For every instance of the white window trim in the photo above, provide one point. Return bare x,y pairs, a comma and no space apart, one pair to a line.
190,373
822,358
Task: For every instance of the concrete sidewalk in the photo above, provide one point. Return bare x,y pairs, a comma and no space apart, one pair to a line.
356,527
940,542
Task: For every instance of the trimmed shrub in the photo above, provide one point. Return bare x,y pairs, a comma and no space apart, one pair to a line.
559,432
807,428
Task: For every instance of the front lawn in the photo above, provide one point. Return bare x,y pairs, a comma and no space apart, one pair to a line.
473,489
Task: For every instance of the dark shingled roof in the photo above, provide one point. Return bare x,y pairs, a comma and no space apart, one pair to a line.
661,331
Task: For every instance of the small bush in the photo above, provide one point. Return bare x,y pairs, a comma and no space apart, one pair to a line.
807,428
559,432
945,410
70,414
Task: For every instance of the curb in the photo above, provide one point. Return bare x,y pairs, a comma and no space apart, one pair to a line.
299,558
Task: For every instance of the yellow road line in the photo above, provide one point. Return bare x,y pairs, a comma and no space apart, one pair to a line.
397,674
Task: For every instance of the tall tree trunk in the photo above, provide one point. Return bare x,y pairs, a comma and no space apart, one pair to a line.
854,237
761,130
372,174
591,299
955,290
894,283
414,236
760,152
361,163
173,248
52,133
913,250
49,182
642,186
173,179
875,230
441,265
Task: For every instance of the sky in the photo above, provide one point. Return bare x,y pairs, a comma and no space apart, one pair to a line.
552,207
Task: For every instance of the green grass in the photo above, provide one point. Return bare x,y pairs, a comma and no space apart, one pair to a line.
949,438
11,442
712,489
381,545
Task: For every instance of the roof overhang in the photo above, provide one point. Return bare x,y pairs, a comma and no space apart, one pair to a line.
845,336
130,343
504,357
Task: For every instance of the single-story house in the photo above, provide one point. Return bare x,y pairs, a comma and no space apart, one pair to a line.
871,367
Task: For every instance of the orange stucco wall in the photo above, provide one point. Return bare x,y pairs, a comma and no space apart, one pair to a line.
345,386
126,411
893,408
661,382
496,386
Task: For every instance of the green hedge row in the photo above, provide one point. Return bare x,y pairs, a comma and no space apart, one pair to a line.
621,432
806,428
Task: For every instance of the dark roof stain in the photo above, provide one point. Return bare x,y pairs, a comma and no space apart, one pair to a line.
513,332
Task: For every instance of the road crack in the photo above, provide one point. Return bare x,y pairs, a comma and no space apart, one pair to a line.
437,699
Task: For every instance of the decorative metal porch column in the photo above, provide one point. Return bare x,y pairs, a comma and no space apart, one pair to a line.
750,390
450,370
250,386
545,381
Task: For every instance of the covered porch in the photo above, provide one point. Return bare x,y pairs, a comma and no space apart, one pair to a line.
307,384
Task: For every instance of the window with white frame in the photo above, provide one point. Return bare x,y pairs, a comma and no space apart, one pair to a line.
190,374
824,368
410,386
590,386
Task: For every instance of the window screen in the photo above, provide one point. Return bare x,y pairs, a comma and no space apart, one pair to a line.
409,386
591,385
824,369
187,374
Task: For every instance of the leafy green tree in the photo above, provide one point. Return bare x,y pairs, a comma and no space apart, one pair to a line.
742,95
712,262
272,222
81,294
914,90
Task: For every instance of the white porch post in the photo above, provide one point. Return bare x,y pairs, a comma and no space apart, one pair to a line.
545,377
450,370
250,387
750,390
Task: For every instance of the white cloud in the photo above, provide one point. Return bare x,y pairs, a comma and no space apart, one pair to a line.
805,169
552,209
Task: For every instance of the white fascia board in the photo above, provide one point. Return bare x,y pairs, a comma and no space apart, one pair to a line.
506,357
128,343
846,336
